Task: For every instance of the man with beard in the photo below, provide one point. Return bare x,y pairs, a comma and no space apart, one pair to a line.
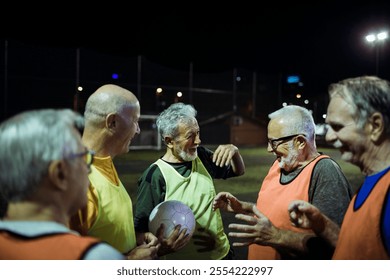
299,171
186,173
359,126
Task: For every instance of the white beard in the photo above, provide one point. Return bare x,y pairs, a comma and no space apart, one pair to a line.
186,156
287,163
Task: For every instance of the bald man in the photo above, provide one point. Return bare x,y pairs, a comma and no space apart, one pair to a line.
111,121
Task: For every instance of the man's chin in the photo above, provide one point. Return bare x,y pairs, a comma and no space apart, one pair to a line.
188,156
346,156
193,156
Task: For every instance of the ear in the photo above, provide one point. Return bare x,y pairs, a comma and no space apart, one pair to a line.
111,121
376,126
168,141
301,141
58,174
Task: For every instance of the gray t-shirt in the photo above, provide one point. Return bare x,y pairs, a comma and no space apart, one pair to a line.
329,190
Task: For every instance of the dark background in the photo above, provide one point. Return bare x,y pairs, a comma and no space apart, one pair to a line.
52,53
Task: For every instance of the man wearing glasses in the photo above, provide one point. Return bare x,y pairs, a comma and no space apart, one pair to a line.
298,171
44,178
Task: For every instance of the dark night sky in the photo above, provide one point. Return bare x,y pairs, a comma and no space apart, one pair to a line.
322,42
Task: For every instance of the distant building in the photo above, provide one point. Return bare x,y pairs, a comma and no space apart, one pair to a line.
233,128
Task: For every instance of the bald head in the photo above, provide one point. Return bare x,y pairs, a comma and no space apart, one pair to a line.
108,99
111,120
114,90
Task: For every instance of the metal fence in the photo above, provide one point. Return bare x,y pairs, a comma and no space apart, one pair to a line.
35,76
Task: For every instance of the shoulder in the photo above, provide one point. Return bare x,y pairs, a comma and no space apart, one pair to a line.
103,251
204,153
204,150
151,172
328,170
151,168
31,229
327,163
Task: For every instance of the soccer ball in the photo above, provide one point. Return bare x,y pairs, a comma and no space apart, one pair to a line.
171,213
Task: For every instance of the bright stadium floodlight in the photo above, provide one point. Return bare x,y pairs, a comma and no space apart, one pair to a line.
382,35
376,39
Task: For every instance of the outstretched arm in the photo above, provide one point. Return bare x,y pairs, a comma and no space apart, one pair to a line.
229,154
305,215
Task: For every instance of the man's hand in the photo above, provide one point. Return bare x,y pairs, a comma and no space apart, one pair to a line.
258,229
175,241
223,154
228,203
305,215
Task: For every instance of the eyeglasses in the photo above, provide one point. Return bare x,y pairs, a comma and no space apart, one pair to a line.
274,143
87,156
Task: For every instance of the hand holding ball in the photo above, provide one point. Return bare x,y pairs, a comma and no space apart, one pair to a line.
171,213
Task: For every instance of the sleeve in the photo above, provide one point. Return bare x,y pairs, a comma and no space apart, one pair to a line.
83,220
216,172
329,190
150,192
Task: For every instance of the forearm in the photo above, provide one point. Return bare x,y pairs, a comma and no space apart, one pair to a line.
330,231
291,243
238,164
140,237
243,207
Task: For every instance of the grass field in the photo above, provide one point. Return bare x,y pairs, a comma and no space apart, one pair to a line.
246,187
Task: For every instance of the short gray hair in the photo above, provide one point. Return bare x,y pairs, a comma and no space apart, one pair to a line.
31,140
367,95
168,121
298,120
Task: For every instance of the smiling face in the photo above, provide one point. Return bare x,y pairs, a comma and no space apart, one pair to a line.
286,151
127,127
344,132
184,146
